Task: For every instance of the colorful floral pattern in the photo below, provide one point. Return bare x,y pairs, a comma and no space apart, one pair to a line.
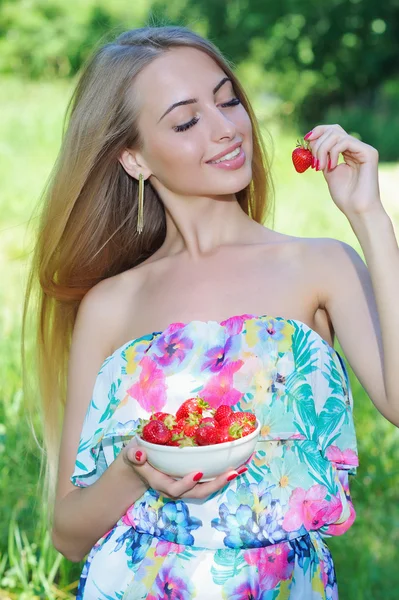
262,535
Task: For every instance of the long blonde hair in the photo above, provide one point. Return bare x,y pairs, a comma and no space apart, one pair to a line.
87,229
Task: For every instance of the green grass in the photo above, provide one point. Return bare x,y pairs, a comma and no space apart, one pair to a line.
30,133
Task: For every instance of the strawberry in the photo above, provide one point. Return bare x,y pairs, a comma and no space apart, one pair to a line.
250,416
302,158
173,443
180,425
189,430
231,419
247,429
229,431
207,435
245,417
177,434
158,416
209,421
224,435
156,432
167,418
222,412
192,406
187,427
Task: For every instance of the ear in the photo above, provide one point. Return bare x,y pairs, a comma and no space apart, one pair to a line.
133,163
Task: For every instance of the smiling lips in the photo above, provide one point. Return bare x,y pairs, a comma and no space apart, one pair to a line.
230,161
222,154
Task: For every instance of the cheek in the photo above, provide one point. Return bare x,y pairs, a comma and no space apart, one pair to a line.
176,149
175,161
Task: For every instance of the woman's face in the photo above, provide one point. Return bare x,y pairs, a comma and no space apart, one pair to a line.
208,126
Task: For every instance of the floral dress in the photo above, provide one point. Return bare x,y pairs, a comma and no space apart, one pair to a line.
261,536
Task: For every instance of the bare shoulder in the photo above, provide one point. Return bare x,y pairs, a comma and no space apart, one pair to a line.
102,311
96,311
331,252
331,263
102,299
326,244
301,250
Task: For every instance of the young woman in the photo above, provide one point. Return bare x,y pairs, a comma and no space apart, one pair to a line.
159,281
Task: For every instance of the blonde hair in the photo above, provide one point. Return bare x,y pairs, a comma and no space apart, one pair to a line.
87,229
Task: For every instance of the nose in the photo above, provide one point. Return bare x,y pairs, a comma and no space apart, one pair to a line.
221,125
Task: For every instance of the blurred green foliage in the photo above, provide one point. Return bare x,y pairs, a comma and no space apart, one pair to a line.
323,61
45,39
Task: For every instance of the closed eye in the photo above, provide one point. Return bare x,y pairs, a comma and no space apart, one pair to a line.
194,120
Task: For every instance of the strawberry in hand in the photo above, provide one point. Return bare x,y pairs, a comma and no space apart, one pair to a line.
302,158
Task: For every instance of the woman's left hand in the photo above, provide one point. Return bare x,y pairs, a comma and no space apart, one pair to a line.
353,184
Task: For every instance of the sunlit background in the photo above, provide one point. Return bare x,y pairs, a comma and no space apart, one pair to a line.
302,63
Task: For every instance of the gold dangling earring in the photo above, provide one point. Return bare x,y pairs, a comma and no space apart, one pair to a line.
140,218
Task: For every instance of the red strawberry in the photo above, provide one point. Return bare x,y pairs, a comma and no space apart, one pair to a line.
158,416
142,423
231,419
188,427
251,417
189,430
192,406
173,443
244,417
207,435
224,435
167,418
230,431
156,432
177,434
180,425
209,421
222,412
302,158
247,429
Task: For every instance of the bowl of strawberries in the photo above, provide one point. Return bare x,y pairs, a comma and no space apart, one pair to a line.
198,438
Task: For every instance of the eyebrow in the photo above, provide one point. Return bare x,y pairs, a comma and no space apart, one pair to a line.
194,100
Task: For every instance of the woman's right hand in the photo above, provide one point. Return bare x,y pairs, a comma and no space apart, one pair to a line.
187,487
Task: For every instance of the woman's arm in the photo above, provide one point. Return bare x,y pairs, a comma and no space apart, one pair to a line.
84,515
362,299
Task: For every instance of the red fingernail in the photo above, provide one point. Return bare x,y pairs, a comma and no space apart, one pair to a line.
197,477
318,165
308,135
241,471
329,163
233,476
138,454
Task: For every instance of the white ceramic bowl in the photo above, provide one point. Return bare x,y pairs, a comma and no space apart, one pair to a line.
210,460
